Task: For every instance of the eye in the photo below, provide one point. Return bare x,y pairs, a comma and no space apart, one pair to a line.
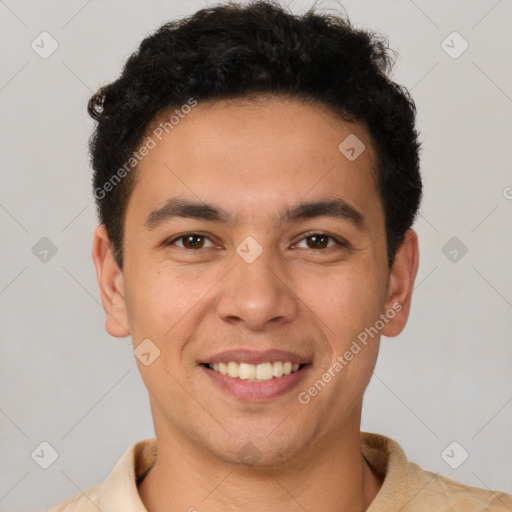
196,241
321,241
190,241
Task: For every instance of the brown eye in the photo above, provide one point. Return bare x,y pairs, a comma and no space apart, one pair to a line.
190,241
320,241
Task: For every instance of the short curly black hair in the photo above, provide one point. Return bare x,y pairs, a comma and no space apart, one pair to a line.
235,50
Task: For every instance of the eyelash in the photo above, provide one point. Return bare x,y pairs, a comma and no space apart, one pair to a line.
337,241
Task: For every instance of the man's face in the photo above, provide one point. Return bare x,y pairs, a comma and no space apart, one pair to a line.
258,286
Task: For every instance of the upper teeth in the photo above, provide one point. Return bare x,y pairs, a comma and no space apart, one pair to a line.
263,371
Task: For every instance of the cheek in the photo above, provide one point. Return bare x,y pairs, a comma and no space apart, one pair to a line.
157,305
155,302
346,300
166,305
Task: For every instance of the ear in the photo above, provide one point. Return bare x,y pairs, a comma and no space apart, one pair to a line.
111,284
401,283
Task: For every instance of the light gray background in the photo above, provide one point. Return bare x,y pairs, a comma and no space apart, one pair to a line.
65,381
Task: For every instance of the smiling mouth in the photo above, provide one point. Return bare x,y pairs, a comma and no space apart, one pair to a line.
255,372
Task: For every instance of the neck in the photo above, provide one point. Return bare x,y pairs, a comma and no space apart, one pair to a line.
330,478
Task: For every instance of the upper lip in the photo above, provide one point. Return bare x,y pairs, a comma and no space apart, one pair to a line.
256,357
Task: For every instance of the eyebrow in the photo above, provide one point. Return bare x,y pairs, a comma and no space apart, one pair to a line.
336,208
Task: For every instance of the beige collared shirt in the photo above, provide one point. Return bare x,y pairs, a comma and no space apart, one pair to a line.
406,487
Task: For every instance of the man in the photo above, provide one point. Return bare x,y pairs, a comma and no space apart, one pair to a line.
257,176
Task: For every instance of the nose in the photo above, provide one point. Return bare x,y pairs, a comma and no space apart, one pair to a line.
257,295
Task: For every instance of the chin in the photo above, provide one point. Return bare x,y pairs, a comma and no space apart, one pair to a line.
260,448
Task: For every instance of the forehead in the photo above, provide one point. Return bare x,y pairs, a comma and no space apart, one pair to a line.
248,155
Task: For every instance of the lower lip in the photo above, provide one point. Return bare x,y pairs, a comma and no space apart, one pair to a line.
257,391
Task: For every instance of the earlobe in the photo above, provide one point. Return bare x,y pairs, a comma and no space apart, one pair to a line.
401,283
111,284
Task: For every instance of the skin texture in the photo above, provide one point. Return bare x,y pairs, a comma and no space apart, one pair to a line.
253,159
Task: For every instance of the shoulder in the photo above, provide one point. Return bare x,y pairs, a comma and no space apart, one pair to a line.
120,487
443,493
409,488
86,501
434,490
